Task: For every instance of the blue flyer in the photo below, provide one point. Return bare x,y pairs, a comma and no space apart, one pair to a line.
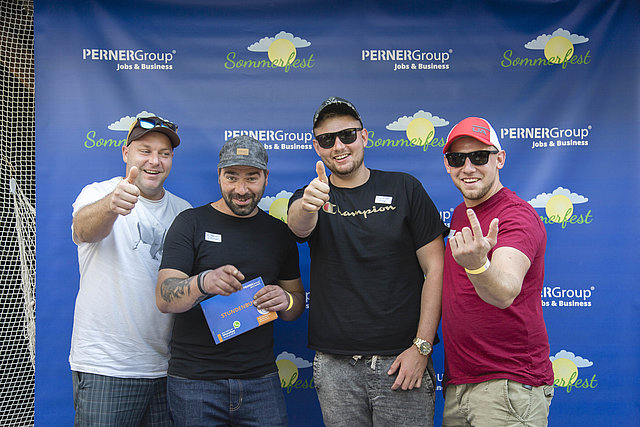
229,316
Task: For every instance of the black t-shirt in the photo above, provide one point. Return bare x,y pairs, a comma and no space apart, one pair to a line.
366,281
204,238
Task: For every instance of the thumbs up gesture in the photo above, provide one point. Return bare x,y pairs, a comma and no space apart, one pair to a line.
317,192
470,247
125,195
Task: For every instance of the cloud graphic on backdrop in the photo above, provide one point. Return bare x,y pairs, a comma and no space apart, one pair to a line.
557,46
281,48
276,206
558,204
419,127
125,122
580,362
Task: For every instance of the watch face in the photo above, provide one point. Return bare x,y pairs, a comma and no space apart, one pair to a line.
425,348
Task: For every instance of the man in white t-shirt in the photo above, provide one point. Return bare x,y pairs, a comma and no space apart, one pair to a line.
120,343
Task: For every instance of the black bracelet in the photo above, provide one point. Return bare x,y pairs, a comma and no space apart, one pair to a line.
199,282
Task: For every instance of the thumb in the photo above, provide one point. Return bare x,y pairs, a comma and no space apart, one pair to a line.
492,235
322,175
133,174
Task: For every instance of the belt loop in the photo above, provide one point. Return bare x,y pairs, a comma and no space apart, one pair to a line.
355,359
374,359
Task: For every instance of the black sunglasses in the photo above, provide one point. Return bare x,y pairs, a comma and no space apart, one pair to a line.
347,136
478,158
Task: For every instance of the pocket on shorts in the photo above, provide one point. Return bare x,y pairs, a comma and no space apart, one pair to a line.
518,399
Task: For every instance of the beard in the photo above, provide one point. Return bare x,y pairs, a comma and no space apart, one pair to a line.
243,210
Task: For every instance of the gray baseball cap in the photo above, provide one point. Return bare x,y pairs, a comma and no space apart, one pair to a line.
243,151
338,105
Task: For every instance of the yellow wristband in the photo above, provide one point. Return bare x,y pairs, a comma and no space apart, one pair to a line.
482,269
290,301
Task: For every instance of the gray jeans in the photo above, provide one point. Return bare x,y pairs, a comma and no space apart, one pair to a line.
357,392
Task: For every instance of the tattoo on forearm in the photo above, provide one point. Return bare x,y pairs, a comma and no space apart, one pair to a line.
173,288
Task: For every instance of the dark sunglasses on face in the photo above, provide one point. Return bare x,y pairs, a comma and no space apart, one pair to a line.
152,122
478,158
347,136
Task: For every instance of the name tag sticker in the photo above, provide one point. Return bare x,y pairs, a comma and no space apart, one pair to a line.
384,199
213,237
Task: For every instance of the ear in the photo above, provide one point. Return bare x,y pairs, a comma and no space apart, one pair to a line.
316,147
125,152
365,136
501,158
266,177
446,165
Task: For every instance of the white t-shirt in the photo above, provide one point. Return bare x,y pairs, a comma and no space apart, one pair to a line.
118,330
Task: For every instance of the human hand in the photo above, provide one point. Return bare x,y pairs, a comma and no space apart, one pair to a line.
317,192
410,365
125,196
470,247
223,280
271,298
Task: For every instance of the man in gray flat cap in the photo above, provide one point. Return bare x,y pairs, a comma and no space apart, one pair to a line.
209,251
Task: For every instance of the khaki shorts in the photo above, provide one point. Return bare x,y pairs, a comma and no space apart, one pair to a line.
496,403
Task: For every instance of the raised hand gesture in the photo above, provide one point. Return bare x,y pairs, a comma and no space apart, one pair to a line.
317,192
470,247
125,195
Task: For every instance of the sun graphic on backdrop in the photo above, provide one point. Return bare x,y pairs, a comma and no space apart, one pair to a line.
558,49
559,208
281,52
565,372
287,370
420,131
278,209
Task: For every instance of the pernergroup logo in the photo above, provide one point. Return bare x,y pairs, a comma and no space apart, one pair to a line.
409,59
557,49
281,50
132,59
419,129
549,138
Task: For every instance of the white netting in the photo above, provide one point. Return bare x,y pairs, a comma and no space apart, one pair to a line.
17,214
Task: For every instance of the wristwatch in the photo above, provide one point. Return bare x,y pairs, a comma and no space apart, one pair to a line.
424,346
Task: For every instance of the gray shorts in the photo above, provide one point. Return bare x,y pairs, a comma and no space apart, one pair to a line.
358,393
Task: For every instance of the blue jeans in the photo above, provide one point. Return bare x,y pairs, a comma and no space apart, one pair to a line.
358,393
235,402
110,401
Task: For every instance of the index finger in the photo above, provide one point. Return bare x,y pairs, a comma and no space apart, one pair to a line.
322,174
230,269
475,223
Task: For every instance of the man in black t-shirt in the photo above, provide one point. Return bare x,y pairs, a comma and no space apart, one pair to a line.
208,252
377,250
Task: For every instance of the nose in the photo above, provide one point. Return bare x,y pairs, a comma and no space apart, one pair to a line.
338,143
468,166
154,158
241,187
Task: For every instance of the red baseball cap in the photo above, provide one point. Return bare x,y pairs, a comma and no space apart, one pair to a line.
474,127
